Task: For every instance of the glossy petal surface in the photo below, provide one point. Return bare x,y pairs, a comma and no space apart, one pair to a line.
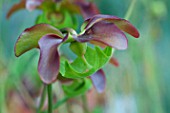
99,80
106,33
48,66
122,24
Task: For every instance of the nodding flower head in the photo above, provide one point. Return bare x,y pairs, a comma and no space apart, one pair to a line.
107,30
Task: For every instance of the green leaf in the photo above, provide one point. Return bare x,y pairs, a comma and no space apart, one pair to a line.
93,60
79,86
78,48
62,65
60,102
30,37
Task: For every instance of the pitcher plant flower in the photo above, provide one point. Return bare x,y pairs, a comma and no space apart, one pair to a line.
104,29
93,47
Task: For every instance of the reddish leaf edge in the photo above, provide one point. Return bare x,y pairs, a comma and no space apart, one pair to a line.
113,19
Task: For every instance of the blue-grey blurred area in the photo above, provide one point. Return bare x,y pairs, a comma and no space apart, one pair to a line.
141,82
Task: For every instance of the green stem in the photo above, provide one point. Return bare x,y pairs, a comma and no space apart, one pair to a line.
3,92
60,102
130,9
42,99
50,102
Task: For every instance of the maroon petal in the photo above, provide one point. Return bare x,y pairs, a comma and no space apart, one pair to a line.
99,80
88,9
32,4
122,24
106,33
48,66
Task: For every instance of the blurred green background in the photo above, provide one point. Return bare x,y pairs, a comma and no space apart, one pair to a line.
139,85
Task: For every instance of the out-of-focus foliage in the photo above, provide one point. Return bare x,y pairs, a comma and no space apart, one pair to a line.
139,85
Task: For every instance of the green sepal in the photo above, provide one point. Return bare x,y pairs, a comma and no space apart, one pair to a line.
78,87
93,60
78,48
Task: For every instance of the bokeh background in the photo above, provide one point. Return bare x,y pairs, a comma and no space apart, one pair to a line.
139,85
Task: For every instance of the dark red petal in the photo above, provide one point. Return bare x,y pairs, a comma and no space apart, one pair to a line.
48,66
88,9
106,33
127,27
16,7
122,24
98,43
98,18
32,4
99,80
